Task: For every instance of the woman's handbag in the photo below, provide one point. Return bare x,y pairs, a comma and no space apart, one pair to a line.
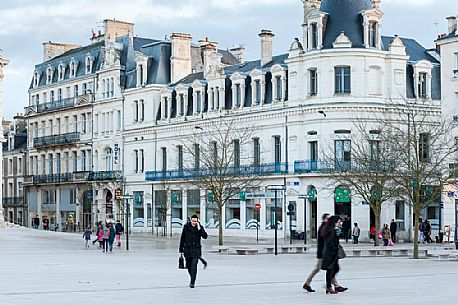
340,252
181,262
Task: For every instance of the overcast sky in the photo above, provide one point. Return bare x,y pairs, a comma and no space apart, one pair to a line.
26,24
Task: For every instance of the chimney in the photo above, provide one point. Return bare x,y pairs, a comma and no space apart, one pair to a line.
180,61
115,28
376,3
239,53
451,24
266,46
207,48
52,49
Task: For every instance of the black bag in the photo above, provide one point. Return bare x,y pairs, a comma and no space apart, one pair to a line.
341,253
181,262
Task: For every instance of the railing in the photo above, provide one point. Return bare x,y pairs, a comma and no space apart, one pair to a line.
323,166
105,175
242,170
13,200
56,139
53,178
54,105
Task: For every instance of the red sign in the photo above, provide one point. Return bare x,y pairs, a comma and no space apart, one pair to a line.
257,206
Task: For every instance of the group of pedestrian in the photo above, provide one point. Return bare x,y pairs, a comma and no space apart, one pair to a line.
424,231
327,254
105,236
36,222
387,233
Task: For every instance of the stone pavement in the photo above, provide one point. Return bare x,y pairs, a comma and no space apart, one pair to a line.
40,267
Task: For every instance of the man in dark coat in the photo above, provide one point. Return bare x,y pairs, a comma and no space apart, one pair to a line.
393,229
191,247
319,256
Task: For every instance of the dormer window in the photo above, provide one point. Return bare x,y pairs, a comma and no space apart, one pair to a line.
88,65
60,71
422,85
48,76
372,34
314,36
36,79
73,67
422,79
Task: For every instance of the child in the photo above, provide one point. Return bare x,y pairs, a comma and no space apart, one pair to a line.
87,236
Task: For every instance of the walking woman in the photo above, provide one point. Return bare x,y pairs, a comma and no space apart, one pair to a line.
330,263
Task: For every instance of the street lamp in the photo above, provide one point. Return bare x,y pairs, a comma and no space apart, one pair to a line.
126,198
305,197
322,112
276,188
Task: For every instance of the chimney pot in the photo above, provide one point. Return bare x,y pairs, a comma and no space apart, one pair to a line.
266,46
451,24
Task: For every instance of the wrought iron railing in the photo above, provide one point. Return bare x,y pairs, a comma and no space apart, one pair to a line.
105,175
53,178
54,105
323,166
242,170
56,139
13,200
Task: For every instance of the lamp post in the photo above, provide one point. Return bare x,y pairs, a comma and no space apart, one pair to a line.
126,200
276,188
456,223
305,197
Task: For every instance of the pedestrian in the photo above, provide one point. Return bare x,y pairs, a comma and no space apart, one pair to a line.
346,226
191,247
100,236
393,229
119,230
87,236
427,231
355,233
421,236
45,223
330,233
372,232
386,234
97,234
36,222
204,262
111,236
319,256
106,237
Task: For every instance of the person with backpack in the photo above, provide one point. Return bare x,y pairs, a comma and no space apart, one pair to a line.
105,237
119,230
87,237
111,236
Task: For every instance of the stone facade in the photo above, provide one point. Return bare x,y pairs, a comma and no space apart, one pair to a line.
3,63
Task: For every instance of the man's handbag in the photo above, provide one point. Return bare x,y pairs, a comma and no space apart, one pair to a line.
181,262
341,253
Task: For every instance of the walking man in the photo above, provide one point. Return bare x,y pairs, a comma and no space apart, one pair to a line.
36,222
393,229
191,247
355,233
119,230
319,256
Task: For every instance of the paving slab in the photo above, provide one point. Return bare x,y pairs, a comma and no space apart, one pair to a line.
39,267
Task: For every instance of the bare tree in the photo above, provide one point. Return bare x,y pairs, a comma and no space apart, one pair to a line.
369,173
421,139
217,162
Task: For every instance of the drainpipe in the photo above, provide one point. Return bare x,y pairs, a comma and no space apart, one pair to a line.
284,178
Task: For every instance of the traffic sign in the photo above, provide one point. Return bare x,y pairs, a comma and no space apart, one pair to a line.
243,196
211,197
257,206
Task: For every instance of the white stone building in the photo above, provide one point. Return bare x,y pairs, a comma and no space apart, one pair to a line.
3,63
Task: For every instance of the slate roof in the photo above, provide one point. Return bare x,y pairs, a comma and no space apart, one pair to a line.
20,141
415,50
344,15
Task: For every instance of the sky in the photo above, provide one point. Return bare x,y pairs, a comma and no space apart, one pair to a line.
26,24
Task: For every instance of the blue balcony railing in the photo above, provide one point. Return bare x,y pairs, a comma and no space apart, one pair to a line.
13,200
105,175
56,139
242,170
54,105
323,166
53,178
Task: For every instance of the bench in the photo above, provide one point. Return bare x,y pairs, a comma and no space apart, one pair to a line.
223,250
357,252
372,252
285,249
246,251
443,256
299,249
270,250
388,252
240,251
403,252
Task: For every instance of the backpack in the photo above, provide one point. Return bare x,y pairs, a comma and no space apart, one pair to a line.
106,233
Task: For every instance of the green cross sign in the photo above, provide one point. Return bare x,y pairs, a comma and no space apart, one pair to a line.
210,197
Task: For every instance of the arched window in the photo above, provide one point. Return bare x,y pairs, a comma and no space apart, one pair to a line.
112,87
372,34
61,71
109,159
48,76
88,65
36,79
72,69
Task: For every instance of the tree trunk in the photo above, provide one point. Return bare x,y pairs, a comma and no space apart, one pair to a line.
377,226
415,234
220,224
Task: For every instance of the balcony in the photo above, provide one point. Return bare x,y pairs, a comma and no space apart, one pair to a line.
13,200
323,166
105,175
65,138
55,105
232,171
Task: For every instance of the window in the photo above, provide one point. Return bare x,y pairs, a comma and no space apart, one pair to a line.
83,161
400,214
164,158
277,150
50,164
75,90
198,102
313,82
36,79
236,153
423,148
180,158
455,72
374,146
48,76
181,104
314,32
257,84
52,97
214,152
342,80
142,110
140,75
109,159
196,156
238,96
313,151
96,123
136,161
256,152
166,107
83,123
422,85
217,98
372,34
88,65
343,154
58,163
72,69
118,127
84,88
278,83
112,87
61,72
142,160
135,111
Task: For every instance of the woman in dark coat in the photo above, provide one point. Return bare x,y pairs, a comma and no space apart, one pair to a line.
191,247
330,263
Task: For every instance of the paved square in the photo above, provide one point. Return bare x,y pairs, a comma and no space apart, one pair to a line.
54,268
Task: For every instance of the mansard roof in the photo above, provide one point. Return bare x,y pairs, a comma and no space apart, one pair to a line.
344,16
415,50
